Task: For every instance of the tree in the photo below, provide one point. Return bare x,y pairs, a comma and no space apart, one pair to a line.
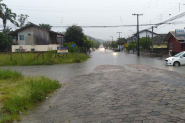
5,42
71,49
87,43
75,34
106,44
114,44
121,41
22,19
146,44
96,44
8,15
28,23
46,26
7,30
2,5
131,46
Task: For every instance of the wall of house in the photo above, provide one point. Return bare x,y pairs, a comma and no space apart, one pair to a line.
160,46
183,47
143,34
176,46
36,48
38,36
42,37
28,37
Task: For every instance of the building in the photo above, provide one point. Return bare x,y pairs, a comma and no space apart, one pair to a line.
159,44
36,38
143,33
176,44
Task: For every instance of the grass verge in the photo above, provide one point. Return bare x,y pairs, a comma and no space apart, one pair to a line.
48,58
20,94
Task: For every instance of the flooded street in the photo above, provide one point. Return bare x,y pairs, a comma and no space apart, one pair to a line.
64,72
111,87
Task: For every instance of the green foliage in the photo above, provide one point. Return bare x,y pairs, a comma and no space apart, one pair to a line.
50,58
75,34
7,30
7,74
121,41
146,44
131,46
23,94
2,5
114,44
5,41
87,43
95,44
71,49
22,19
106,44
8,15
45,26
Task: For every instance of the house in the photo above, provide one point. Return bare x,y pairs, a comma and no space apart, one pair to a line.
176,44
159,44
143,33
35,38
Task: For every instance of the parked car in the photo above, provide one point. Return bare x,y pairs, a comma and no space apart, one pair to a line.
116,50
177,60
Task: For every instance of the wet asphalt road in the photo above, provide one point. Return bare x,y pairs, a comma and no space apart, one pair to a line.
61,72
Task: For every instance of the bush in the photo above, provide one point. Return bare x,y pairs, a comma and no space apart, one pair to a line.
8,74
71,49
23,94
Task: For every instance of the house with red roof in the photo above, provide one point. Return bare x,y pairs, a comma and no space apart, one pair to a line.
176,44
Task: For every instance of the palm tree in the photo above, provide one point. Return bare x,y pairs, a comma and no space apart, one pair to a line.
1,7
8,15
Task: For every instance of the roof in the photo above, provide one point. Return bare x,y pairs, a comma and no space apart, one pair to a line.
150,32
147,31
33,25
163,35
180,39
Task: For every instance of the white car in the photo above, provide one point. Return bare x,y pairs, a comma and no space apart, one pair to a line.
101,49
177,60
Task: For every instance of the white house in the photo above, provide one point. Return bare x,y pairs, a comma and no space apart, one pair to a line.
143,33
34,38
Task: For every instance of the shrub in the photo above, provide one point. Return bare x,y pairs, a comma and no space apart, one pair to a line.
71,49
8,74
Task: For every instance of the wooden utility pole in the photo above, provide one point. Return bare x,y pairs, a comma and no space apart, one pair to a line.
152,36
138,53
119,39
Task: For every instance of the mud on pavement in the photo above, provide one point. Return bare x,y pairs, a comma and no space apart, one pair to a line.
116,94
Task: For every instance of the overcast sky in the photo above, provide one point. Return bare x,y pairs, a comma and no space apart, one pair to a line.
100,13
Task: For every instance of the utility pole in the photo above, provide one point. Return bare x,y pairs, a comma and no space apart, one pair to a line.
138,33
146,38
119,39
152,36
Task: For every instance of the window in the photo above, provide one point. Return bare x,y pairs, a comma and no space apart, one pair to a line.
171,46
32,50
21,37
184,55
29,34
17,50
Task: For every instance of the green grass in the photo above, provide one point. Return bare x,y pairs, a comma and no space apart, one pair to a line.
20,94
50,58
